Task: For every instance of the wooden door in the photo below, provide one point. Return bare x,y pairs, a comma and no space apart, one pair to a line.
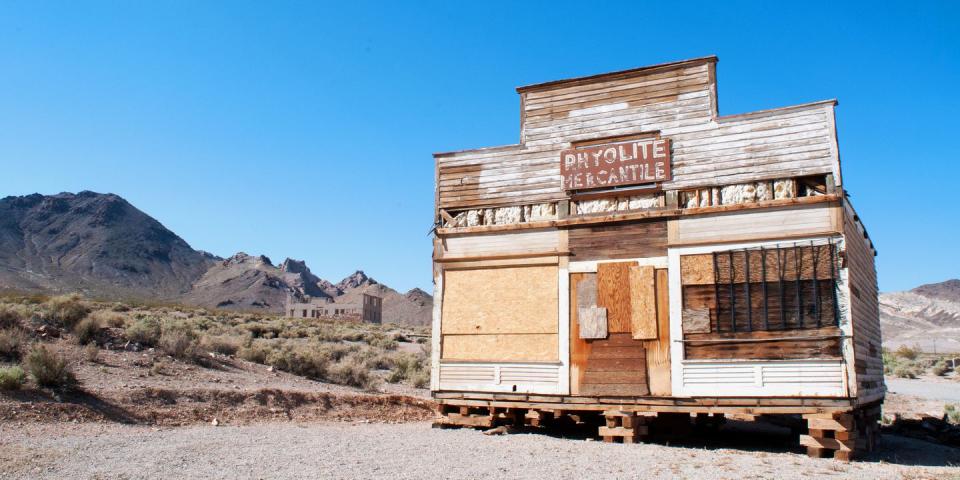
619,365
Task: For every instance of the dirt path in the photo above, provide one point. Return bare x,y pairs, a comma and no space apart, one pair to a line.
414,450
928,387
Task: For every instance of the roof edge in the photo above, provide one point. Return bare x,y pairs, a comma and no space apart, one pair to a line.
618,73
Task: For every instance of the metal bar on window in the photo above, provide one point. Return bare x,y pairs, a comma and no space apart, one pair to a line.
733,297
816,287
763,272
716,290
746,257
833,281
781,266
798,268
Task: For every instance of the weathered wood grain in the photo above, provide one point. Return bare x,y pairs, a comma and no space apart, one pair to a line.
623,240
613,293
643,303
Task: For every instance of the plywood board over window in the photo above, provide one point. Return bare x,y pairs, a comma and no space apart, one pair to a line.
500,314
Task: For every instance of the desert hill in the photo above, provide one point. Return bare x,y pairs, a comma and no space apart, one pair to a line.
95,244
102,246
927,316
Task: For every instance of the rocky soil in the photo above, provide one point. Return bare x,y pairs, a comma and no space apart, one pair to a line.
414,450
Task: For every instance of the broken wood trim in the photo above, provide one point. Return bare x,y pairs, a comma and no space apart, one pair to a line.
592,219
763,238
757,340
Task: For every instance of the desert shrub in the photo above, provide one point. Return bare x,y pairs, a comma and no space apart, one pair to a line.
353,373
223,344
334,352
179,340
49,369
302,361
12,341
907,370
256,352
952,413
9,317
91,352
11,378
382,342
907,353
421,380
942,367
86,330
66,310
145,331
407,366
109,318
120,307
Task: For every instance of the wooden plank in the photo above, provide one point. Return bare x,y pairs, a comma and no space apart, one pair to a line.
587,291
592,322
638,376
695,320
828,443
579,348
643,303
613,293
623,240
658,351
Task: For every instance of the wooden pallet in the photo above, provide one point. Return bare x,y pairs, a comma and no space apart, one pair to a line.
627,427
843,436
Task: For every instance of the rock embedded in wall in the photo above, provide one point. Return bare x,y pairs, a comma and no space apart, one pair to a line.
488,218
764,191
596,206
474,217
508,215
784,189
737,194
642,202
542,211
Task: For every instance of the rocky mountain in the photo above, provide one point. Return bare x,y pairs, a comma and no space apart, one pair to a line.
927,317
96,244
102,246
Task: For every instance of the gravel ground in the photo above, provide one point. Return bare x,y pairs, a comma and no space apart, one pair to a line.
931,388
414,450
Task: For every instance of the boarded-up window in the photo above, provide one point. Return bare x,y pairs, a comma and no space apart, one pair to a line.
784,288
500,314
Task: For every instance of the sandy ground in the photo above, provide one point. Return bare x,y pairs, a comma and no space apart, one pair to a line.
929,387
414,450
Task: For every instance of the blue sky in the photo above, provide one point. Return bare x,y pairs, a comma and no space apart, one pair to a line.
305,129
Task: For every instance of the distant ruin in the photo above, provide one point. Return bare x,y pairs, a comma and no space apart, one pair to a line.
369,309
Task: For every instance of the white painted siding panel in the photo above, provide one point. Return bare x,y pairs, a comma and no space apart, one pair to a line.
501,377
762,378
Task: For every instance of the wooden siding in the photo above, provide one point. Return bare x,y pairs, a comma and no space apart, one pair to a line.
864,310
495,244
806,220
623,240
679,103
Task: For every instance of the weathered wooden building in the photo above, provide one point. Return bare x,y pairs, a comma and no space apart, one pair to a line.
639,258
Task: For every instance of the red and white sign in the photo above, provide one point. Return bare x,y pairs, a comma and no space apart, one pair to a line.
633,162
